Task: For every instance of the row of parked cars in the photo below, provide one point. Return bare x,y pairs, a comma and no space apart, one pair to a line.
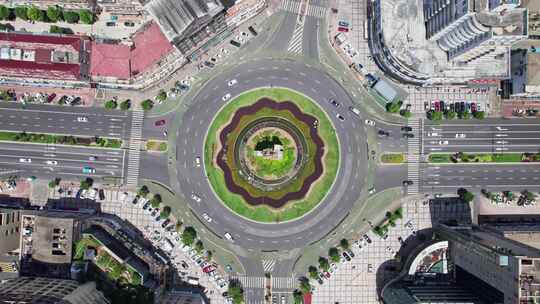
458,107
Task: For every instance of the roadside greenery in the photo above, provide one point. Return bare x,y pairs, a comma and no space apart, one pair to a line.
55,182
394,107
143,191
147,105
189,235
51,14
156,145
235,291
324,265
155,201
461,157
393,158
60,139
465,195
390,221
86,183
125,105
344,244
313,272
60,30
165,212
333,253
161,96
111,104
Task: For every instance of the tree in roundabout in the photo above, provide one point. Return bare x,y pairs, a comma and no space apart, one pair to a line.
271,155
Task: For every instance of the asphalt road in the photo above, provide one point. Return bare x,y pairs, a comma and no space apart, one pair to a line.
48,161
38,118
490,135
318,86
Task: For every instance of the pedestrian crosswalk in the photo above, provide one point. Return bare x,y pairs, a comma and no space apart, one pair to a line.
268,265
295,44
294,7
284,283
134,148
250,282
413,156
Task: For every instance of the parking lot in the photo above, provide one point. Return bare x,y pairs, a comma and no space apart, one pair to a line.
358,281
120,204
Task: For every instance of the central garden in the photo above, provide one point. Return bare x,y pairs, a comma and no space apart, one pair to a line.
271,155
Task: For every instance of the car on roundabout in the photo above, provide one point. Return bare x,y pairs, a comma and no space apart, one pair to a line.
195,197
226,97
369,122
228,236
206,217
232,82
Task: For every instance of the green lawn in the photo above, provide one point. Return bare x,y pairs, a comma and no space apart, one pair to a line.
393,158
320,188
156,145
440,158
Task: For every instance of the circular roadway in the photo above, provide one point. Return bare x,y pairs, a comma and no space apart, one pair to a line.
278,73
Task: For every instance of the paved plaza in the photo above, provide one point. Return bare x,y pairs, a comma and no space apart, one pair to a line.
358,281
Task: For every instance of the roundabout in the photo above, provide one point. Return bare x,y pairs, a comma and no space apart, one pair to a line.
259,227
271,155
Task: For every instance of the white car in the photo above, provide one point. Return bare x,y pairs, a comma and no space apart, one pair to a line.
25,160
82,119
207,217
195,197
369,122
51,162
197,161
461,135
443,142
371,190
226,97
232,82
228,236
433,134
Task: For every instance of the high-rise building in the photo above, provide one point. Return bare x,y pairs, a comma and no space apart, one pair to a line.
485,260
468,30
10,222
35,290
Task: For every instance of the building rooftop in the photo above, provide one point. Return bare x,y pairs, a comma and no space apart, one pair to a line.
53,239
29,55
110,60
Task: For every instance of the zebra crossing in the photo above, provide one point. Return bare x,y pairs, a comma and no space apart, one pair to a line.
284,283
294,7
295,45
250,282
268,265
134,148
413,156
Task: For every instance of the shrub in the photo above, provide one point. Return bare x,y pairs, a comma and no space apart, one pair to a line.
161,96
313,272
199,247
54,13
165,212
189,235
86,16
87,183
4,12
344,243
21,12
479,114
405,113
111,104
451,115
393,107
71,17
125,105
35,14
143,191
434,115
147,105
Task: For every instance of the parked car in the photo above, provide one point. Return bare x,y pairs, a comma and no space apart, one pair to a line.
366,237
101,194
346,256
159,122
406,129
408,135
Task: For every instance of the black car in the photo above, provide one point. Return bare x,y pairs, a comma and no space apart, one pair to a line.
452,107
462,106
408,135
366,237
350,253
135,200
441,103
101,194
406,129
383,133
334,102
235,43
252,30
346,256
209,64
340,117
407,182
165,223
158,218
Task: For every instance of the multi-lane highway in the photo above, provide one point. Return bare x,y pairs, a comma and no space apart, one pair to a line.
77,121
49,161
490,135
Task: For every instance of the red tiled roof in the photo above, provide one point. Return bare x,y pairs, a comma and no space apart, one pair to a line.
149,46
42,70
110,60
74,41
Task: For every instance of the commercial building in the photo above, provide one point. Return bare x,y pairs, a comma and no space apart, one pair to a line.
46,243
36,290
10,222
186,19
51,57
183,295
471,30
485,267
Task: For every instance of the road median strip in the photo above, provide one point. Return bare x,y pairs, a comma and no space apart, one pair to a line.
97,142
392,158
460,157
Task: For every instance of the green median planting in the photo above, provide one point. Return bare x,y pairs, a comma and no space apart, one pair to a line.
461,157
61,139
392,158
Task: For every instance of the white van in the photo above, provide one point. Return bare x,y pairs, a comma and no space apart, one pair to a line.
192,280
355,111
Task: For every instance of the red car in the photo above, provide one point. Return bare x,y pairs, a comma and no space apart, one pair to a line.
473,107
342,29
160,122
51,97
436,105
209,268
